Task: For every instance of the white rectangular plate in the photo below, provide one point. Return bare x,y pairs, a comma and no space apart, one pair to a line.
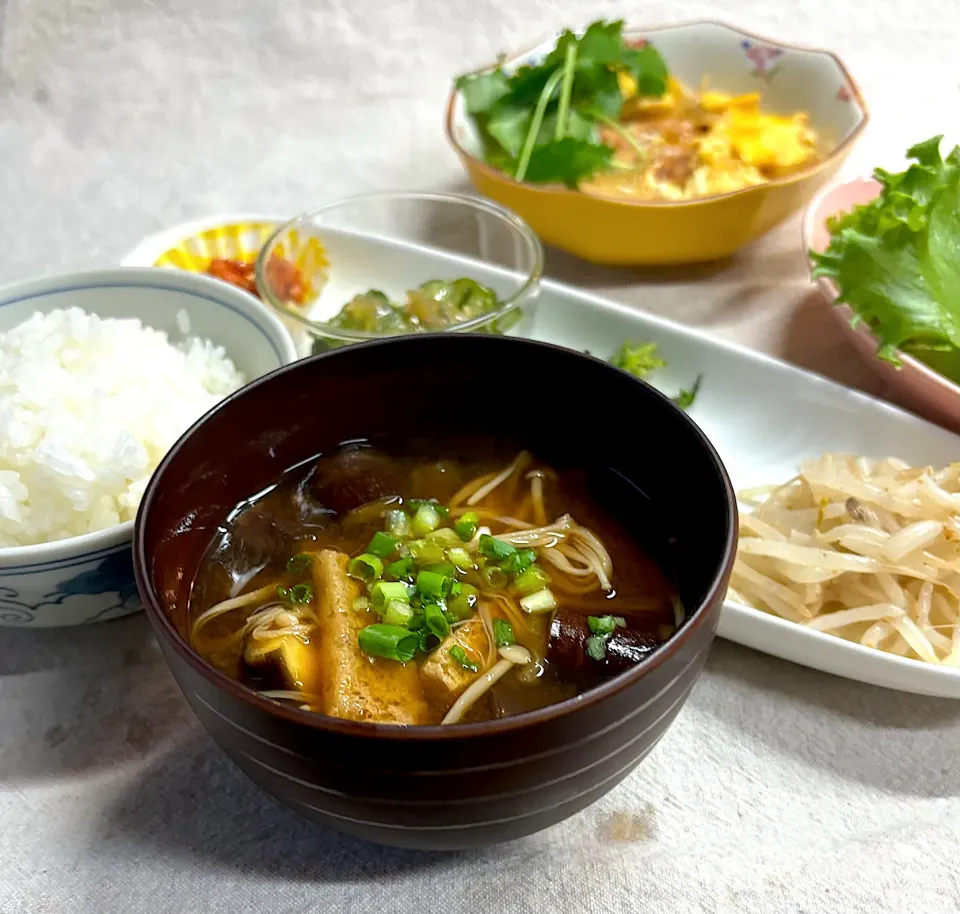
763,416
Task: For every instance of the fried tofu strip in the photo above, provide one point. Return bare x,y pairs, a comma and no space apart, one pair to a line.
354,685
442,676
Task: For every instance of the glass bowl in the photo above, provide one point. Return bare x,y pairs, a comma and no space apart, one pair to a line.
394,243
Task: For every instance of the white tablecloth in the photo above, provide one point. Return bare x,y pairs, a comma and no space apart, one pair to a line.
777,790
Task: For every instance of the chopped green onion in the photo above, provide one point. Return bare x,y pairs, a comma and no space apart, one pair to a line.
398,613
428,640
466,526
462,604
390,641
400,570
433,585
425,520
384,591
434,620
361,603
494,577
416,623
425,552
366,567
299,564
299,593
519,562
443,535
417,503
605,625
532,580
461,558
398,524
540,602
493,548
383,545
460,655
446,569
596,647
503,633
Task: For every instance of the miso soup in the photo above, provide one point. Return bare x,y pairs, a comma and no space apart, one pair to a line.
383,583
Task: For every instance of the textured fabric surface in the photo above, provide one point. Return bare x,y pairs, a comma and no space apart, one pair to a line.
778,789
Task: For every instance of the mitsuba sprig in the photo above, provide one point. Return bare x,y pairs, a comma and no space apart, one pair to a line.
539,123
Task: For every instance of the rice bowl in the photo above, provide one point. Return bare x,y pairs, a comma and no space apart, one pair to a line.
87,576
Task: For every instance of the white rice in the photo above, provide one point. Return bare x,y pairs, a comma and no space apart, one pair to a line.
88,408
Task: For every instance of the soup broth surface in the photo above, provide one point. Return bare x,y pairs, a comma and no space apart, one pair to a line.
383,583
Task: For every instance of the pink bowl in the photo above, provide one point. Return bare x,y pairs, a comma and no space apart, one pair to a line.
916,385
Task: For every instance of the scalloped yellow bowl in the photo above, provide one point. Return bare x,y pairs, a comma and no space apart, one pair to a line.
609,231
193,245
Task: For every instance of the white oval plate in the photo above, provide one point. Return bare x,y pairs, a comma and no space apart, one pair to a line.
763,416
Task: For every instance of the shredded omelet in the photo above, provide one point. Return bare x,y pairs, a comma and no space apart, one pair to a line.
685,145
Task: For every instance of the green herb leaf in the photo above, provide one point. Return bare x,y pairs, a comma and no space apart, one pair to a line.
508,125
524,118
648,68
496,549
481,91
567,161
638,359
601,45
503,633
519,561
596,647
685,398
460,655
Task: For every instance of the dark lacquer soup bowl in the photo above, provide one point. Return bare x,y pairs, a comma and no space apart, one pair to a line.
465,784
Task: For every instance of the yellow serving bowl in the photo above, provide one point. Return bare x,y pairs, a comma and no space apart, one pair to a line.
623,232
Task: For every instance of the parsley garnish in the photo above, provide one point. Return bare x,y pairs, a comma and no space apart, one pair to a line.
540,122
642,359
503,633
685,398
